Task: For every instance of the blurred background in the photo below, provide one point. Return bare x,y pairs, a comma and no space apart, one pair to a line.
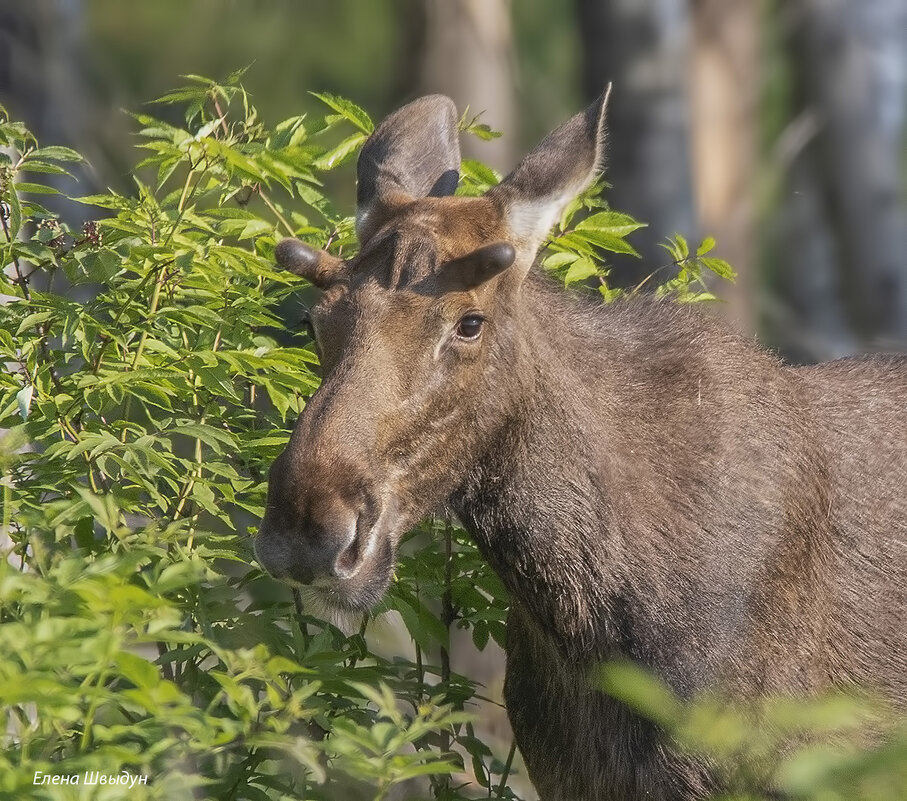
777,126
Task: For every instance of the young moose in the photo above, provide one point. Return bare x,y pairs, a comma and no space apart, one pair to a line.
648,486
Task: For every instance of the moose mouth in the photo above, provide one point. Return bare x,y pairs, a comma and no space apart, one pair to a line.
363,589
358,580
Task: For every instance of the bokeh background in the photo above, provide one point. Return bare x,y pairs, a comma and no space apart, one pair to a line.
778,127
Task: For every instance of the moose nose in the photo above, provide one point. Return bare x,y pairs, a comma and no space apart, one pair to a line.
343,551
327,545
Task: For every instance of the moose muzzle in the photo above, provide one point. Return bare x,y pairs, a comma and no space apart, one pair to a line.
311,531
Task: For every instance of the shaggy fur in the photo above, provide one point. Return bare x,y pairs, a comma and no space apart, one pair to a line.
669,493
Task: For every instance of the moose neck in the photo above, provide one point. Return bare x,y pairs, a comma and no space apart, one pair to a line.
537,501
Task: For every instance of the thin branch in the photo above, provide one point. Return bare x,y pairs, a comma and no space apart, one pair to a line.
277,214
20,279
507,767
448,616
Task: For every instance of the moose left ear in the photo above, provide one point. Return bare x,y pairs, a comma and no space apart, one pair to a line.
414,153
317,267
533,197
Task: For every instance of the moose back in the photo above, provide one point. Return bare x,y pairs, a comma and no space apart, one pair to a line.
647,485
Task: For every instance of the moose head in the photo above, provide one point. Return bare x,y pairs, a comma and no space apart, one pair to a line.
420,337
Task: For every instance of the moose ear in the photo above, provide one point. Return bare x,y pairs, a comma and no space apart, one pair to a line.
414,153
533,197
317,267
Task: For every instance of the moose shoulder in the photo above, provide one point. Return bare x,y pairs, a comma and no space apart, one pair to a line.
648,485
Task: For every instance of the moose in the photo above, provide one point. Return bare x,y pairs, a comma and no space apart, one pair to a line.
649,485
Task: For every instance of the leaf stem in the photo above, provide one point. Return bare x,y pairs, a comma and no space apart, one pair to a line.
152,310
273,208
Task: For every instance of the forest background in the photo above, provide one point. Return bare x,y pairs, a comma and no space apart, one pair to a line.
777,126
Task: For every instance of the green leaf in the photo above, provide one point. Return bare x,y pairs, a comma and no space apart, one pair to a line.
23,398
640,691
100,265
483,131
720,267
176,576
213,437
44,167
288,133
435,767
480,635
681,246
581,269
140,672
23,187
348,110
15,214
103,201
558,260
33,320
608,294
613,242
55,153
412,622
705,246
610,222
471,125
478,173
84,533
342,153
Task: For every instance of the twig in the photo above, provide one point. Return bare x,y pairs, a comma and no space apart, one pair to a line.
152,310
448,616
300,615
20,279
220,114
502,785
277,214
123,309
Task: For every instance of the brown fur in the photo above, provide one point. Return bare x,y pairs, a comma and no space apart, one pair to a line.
647,485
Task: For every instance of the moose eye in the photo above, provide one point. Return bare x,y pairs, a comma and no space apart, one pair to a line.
470,326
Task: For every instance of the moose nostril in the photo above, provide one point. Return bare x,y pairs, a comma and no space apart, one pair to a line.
358,530
347,562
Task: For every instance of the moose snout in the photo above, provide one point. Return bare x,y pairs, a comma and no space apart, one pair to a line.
332,542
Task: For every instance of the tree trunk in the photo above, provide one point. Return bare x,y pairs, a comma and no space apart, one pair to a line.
725,98
469,56
643,46
851,59
806,319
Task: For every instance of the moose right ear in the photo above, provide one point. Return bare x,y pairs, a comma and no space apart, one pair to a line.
317,267
414,153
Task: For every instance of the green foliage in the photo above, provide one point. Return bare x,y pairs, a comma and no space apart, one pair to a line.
140,424
836,748
588,228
